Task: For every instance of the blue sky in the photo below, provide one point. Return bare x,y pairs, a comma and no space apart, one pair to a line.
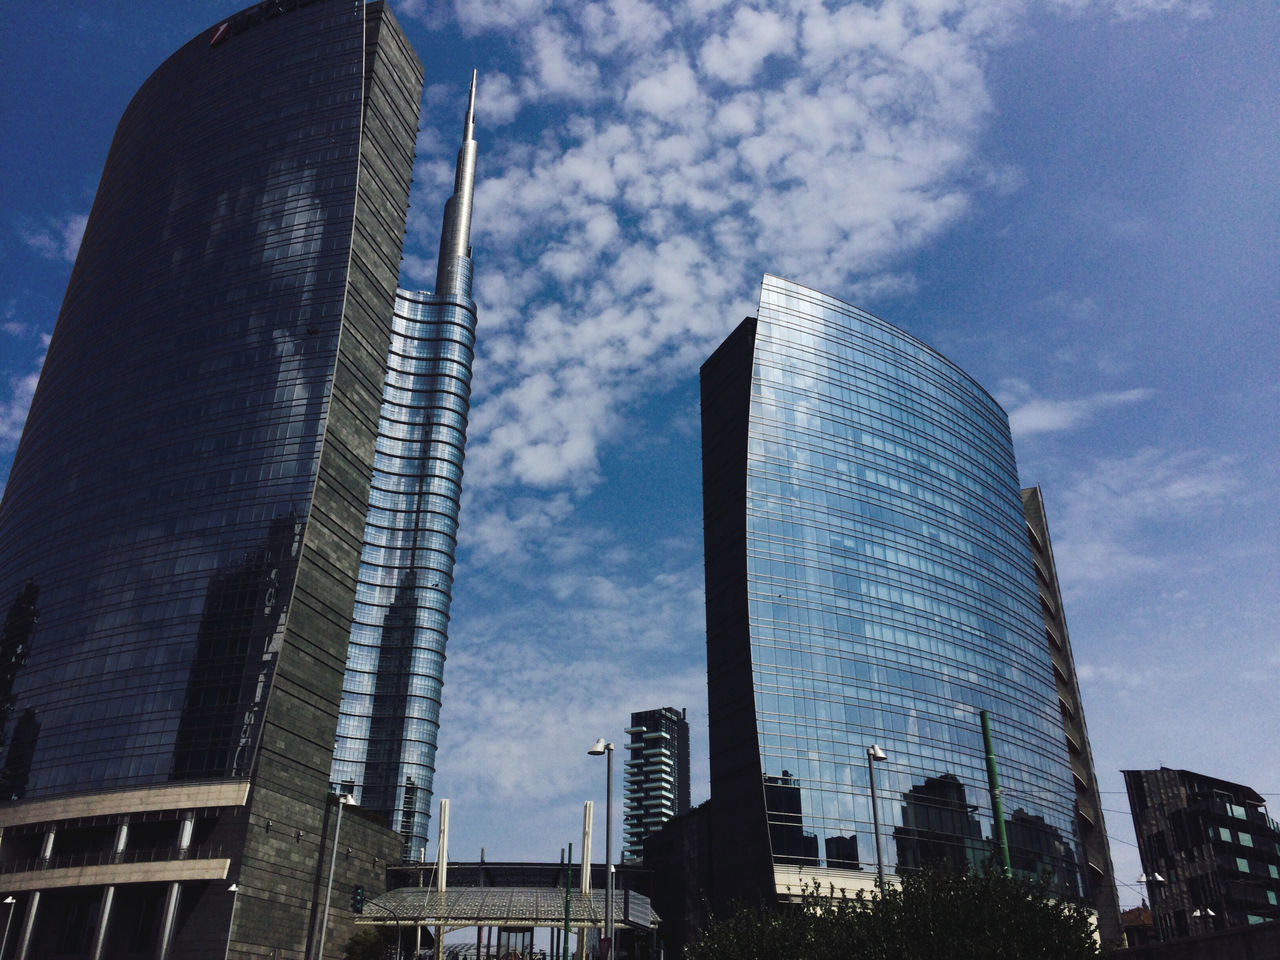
1075,200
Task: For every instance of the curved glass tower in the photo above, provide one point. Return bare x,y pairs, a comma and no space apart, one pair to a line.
179,535
390,711
868,583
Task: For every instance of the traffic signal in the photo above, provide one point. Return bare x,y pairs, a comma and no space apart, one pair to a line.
357,899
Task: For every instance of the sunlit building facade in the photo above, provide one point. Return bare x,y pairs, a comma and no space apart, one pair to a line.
868,583
391,695
180,532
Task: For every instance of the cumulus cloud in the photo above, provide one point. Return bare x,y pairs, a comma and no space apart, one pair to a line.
58,238
615,252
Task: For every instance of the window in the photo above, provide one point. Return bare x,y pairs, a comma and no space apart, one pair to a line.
1246,839
1242,864
1224,834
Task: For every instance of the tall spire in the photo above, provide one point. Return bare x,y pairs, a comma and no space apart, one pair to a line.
453,272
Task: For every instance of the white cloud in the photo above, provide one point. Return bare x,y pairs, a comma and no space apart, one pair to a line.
14,407
1138,9
1118,514
1030,414
737,55
58,238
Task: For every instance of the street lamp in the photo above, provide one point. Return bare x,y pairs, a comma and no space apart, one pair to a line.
234,890
875,754
1152,882
599,748
343,800
4,941
1206,913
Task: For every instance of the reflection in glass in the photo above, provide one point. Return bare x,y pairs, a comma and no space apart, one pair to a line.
939,828
241,630
15,648
786,821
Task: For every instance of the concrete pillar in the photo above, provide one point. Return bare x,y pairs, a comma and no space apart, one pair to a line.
185,828
170,916
104,915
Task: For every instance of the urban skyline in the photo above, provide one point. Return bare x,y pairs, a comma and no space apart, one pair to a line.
1081,223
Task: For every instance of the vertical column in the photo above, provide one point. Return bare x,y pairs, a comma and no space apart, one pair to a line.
29,921
28,926
185,829
109,894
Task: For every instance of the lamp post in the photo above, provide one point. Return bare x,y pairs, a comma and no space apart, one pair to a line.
234,890
874,755
600,747
1153,887
4,941
343,800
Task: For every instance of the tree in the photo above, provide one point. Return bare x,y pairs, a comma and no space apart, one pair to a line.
933,915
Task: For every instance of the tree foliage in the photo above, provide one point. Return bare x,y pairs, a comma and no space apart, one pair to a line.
933,915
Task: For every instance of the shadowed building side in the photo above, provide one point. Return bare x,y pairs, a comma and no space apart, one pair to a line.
189,491
1091,828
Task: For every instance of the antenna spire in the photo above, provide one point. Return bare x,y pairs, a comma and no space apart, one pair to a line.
453,275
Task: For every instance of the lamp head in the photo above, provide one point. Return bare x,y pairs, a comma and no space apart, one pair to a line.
875,753
599,747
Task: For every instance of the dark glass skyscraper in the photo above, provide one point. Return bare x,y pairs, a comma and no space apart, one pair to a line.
1210,853
868,584
390,711
656,777
180,532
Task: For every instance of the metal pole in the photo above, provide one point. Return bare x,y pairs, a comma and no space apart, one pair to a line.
4,941
875,819
608,855
328,890
235,893
568,886
997,804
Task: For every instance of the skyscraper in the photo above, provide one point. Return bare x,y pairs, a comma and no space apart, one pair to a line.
657,775
180,532
1210,853
868,584
390,710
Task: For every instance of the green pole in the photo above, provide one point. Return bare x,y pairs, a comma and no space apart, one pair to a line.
997,805
568,885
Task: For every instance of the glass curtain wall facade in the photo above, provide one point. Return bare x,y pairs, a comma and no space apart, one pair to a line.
390,711
174,546
868,583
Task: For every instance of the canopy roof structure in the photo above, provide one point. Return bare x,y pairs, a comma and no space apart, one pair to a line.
503,907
